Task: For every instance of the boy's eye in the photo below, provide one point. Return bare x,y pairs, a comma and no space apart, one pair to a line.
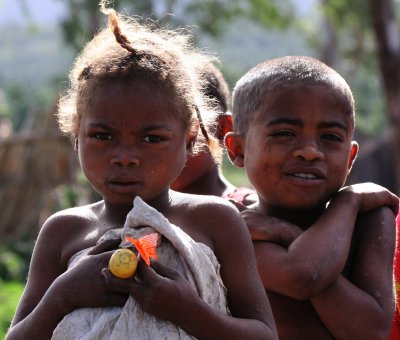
153,139
332,137
102,136
283,133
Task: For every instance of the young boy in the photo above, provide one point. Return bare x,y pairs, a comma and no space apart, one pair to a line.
202,174
328,265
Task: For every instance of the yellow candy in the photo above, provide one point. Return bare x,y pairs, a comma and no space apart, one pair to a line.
123,263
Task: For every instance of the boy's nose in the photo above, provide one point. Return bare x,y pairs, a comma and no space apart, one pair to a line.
309,152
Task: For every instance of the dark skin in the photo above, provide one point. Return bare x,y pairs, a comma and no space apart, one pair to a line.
328,271
128,146
202,175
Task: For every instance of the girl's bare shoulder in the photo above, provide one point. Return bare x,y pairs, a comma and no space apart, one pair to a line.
207,217
203,204
72,216
68,229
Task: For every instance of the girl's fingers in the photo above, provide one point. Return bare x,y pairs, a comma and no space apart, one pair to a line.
164,270
117,300
106,245
118,285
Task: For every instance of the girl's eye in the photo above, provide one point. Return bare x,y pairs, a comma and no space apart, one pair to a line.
153,139
102,136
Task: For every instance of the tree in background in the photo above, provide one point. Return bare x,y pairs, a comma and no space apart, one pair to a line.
209,16
362,40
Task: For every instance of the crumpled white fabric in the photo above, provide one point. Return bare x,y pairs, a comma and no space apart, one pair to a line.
194,260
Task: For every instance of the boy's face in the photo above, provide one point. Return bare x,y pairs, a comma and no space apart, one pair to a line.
299,149
129,143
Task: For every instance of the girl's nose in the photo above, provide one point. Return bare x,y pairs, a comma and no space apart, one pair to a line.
125,157
309,152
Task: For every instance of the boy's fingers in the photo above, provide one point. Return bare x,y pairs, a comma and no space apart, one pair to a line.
239,206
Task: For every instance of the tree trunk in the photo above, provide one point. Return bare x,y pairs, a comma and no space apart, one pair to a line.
388,44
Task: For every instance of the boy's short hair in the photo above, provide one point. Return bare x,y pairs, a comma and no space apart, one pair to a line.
277,74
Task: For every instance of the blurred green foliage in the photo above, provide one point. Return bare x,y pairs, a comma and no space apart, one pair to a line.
10,293
14,259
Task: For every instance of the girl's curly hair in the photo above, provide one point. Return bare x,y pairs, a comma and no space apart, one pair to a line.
129,50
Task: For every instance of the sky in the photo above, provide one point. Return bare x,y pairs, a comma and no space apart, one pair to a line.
50,11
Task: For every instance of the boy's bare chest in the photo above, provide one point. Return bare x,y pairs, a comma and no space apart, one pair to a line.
296,319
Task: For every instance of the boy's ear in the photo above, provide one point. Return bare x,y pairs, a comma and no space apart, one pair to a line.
225,125
235,149
353,154
76,144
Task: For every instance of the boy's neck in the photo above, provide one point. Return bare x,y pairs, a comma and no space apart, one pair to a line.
301,218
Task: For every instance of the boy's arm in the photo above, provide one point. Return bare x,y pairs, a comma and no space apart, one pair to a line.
362,306
317,256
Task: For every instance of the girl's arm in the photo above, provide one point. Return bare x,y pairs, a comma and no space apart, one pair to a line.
50,292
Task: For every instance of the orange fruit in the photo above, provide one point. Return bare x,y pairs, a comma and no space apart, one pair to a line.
123,263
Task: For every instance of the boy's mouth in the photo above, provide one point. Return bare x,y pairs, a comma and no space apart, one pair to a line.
305,175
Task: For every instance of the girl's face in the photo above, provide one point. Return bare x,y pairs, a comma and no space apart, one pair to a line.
130,144
299,150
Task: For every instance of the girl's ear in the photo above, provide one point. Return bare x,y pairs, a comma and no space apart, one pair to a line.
190,141
353,154
235,149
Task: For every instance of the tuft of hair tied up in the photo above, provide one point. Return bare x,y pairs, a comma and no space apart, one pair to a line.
113,23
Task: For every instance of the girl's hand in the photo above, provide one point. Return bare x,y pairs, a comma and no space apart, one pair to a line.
150,285
83,285
371,196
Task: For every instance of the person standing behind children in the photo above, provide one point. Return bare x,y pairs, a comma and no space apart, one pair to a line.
133,111
332,277
202,173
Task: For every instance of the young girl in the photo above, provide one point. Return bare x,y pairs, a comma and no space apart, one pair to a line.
132,110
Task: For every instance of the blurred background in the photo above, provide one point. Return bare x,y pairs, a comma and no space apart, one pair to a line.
39,173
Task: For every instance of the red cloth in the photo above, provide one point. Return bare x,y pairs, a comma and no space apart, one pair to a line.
395,334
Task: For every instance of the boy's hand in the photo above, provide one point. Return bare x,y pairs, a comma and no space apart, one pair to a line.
271,229
372,196
150,285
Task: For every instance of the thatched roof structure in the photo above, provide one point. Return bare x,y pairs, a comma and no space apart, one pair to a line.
32,164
